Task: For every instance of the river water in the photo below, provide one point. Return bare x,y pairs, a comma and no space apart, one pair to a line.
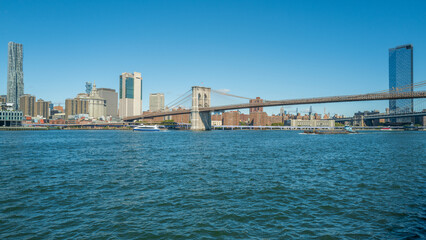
216,185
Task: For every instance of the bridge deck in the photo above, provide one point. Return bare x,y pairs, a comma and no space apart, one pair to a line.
347,98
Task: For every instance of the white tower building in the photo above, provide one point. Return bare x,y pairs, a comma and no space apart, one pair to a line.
130,94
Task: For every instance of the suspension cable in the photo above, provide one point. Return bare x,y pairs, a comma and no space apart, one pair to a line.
177,99
230,95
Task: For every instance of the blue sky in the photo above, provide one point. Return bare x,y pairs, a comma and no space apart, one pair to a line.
272,49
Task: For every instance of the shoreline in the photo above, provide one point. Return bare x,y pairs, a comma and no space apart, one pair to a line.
221,129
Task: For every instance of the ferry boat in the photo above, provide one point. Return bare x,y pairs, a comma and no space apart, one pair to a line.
147,128
386,129
345,130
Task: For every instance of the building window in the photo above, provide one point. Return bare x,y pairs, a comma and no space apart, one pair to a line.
129,87
121,87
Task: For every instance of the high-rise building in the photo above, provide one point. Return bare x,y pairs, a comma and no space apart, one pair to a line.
156,102
130,103
401,78
88,87
42,108
15,74
256,109
281,111
111,97
27,105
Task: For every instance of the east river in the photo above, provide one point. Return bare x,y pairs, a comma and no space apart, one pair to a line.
216,185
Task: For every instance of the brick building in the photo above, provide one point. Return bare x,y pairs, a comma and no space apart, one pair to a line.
256,109
258,119
231,118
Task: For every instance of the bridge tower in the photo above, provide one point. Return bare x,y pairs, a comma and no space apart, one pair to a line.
200,121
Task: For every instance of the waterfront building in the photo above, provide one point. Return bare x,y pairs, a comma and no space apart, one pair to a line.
156,102
10,118
27,105
15,74
111,98
130,94
92,104
42,108
181,118
244,118
231,118
258,118
311,123
216,119
97,105
76,106
275,119
400,78
256,109
3,98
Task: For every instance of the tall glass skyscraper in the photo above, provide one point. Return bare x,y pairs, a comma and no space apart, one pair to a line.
15,74
130,94
400,78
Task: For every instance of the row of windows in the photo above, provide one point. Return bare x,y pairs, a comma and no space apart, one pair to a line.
10,116
10,113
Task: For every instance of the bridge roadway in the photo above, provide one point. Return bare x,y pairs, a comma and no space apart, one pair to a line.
346,98
383,116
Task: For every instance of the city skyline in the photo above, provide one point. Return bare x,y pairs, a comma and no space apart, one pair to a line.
333,54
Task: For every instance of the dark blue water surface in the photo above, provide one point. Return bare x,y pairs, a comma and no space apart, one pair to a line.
216,184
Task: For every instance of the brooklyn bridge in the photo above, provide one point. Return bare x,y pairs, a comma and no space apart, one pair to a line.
201,108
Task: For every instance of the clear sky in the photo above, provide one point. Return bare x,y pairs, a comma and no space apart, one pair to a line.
272,49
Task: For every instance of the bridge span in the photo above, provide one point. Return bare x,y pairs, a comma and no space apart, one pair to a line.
201,106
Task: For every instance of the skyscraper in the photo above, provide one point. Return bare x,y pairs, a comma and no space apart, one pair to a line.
130,94
401,77
89,87
156,102
111,97
15,74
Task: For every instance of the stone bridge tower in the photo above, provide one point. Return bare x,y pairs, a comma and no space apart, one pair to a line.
200,98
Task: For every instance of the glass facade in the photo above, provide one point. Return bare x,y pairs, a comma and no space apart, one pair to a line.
121,87
401,78
129,88
15,74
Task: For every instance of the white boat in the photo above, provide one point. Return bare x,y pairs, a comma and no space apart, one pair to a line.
386,129
147,128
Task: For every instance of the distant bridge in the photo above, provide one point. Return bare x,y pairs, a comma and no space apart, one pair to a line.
205,108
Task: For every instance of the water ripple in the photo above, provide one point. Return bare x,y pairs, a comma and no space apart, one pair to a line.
218,184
